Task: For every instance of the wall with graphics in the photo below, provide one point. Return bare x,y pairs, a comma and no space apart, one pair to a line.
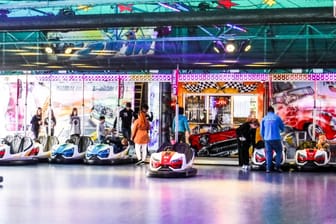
92,96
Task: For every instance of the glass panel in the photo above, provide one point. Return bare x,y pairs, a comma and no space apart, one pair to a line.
220,110
195,109
244,107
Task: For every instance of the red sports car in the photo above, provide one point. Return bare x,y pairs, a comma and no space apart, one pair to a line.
219,142
302,119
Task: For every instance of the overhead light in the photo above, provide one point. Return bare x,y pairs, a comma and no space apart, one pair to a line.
49,50
246,45
230,46
68,48
218,47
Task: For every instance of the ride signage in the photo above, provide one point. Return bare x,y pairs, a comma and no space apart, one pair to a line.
174,81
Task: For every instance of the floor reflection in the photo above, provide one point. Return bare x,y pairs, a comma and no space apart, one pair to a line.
51,193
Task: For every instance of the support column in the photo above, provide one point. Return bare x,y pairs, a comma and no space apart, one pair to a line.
166,113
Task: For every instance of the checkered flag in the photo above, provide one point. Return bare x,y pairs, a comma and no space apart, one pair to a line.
241,87
200,86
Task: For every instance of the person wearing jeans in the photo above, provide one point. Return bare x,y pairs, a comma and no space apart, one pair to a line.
270,129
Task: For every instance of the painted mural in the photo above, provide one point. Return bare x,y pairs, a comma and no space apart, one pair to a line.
308,109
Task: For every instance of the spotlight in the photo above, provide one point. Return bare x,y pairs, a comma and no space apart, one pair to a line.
68,48
245,45
230,46
49,50
218,47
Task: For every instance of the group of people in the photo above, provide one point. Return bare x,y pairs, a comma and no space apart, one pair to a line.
49,122
270,128
134,127
37,122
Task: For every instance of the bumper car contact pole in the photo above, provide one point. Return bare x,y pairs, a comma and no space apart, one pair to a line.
314,111
83,106
175,78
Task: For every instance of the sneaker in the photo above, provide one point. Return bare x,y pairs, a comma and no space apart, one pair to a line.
139,162
279,170
268,171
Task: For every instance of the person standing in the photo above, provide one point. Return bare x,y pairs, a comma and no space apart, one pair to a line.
75,123
50,126
140,134
270,129
126,116
36,122
183,126
246,134
101,132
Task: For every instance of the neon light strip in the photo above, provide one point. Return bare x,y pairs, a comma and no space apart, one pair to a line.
210,77
304,77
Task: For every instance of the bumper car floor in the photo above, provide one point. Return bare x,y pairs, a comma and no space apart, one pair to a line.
67,194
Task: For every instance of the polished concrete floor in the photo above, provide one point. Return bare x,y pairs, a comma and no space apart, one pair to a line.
51,193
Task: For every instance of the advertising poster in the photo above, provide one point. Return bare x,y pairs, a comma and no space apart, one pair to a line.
20,100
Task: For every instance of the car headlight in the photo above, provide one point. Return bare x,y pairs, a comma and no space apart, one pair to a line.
2,153
68,152
301,158
204,139
176,163
320,158
104,153
259,157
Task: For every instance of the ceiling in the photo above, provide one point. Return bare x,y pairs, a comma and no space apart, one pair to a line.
148,35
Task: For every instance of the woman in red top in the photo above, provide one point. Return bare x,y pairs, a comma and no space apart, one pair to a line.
140,134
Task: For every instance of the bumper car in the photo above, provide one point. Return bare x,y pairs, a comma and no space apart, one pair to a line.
113,151
311,155
72,151
172,161
16,150
259,156
42,147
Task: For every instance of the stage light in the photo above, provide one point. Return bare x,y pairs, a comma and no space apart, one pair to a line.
218,47
68,48
246,45
49,50
230,46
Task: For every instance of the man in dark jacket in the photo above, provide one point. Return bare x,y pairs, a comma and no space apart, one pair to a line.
246,134
126,116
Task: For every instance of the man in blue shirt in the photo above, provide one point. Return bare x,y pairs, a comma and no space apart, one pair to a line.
183,126
270,129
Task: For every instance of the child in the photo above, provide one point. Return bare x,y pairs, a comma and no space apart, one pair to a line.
101,133
322,143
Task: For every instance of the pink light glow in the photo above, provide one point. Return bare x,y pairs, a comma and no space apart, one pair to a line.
197,77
